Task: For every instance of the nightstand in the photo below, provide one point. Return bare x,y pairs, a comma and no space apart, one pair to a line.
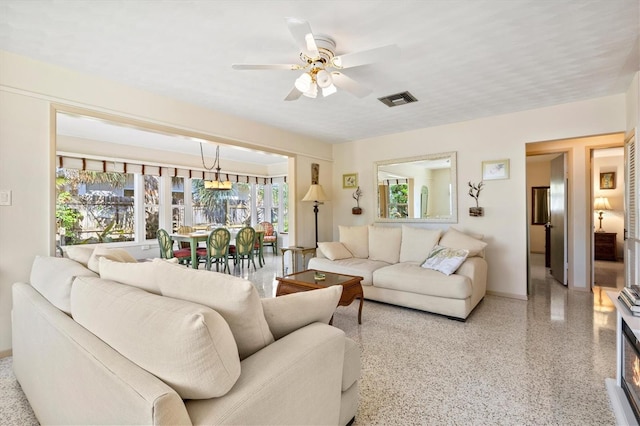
605,246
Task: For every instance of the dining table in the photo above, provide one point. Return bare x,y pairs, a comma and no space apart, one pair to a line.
193,239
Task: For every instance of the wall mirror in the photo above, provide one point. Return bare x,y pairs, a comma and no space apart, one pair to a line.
539,205
417,189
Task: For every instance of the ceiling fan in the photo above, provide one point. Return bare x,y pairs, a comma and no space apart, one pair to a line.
322,67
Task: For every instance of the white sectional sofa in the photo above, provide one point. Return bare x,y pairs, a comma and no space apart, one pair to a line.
391,259
158,343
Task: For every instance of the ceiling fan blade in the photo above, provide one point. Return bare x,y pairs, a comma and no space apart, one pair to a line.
293,95
301,32
355,59
265,67
343,82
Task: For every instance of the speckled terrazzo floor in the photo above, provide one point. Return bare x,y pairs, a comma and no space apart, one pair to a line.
536,362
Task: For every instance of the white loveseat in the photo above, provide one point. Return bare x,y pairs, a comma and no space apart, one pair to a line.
390,261
168,345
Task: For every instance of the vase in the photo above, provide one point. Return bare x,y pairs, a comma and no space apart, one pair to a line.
476,211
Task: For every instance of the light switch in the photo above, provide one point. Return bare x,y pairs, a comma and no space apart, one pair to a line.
5,198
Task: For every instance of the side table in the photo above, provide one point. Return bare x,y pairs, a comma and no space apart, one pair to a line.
295,250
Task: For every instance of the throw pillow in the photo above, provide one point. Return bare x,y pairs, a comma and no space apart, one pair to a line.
188,346
117,254
455,239
445,259
234,298
417,243
384,243
291,312
53,276
334,250
356,240
80,254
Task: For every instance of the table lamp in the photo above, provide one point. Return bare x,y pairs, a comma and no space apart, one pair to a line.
317,195
601,204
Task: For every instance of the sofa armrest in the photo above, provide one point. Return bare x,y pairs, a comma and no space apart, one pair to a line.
475,268
295,380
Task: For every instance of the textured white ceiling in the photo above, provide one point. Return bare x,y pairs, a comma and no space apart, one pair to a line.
461,59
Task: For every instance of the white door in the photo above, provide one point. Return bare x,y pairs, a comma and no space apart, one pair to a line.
631,219
558,219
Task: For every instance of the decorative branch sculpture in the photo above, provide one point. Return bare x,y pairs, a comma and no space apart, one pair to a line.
474,192
356,196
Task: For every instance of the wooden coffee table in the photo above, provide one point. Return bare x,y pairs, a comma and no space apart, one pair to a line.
304,281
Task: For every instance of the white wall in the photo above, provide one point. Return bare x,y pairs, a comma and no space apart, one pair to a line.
501,137
28,91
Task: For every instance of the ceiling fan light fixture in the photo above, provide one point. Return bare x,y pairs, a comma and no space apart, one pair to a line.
312,92
303,83
324,79
329,90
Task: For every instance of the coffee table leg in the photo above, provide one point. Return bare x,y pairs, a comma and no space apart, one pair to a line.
360,310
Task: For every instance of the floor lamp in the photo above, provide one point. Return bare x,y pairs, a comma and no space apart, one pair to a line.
317,195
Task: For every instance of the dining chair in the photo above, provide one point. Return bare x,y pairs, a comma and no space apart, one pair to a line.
184,229
257,247
243,249
166,248
270,236
218,249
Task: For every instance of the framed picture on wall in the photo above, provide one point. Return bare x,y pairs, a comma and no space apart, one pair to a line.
350,180
608,180
498,169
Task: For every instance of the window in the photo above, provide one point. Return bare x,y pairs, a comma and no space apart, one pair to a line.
151,206
177,203
107,207
94,207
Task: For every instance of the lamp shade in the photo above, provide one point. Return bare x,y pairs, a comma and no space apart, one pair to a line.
601,203
315,193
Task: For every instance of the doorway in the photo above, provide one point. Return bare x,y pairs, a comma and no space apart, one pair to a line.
607,190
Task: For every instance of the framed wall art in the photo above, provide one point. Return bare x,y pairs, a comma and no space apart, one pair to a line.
350,180
608,180
498,169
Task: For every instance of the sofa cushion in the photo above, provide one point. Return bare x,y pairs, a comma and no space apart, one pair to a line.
411,278
417,243
459,240
80,254
53,276
141,274
116,254
355,239
234,298
188,346
334,250
290,312
353,266
444,259
384,243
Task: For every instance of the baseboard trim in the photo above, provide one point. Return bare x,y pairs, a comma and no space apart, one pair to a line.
4,354
507,295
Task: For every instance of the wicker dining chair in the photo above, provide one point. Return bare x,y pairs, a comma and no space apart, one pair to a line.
218,249
243,249
166,248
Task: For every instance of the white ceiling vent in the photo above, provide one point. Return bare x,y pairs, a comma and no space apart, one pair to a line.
398,99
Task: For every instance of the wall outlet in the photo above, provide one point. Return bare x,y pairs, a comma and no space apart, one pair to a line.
5,198
146,247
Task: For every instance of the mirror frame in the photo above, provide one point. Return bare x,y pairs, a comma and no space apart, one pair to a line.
453,218
534,206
